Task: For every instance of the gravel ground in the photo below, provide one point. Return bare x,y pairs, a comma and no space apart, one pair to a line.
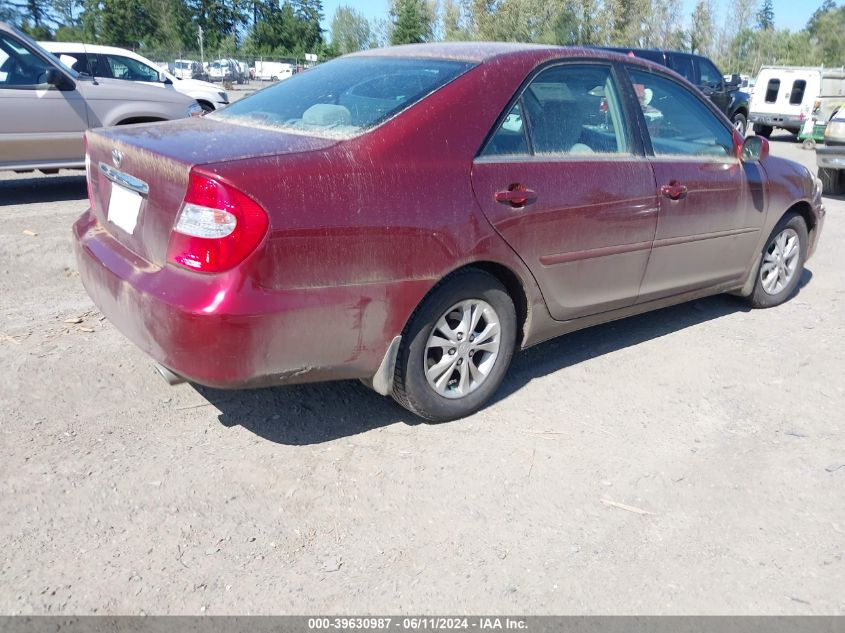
687,461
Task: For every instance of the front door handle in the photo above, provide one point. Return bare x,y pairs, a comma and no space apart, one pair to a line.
674,190
516,195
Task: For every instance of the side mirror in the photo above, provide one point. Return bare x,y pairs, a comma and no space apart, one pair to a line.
163,79
54,78
755,149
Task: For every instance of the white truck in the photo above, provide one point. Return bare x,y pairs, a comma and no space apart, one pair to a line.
272,71
787,96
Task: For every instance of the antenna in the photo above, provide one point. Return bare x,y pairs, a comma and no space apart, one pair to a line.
90,65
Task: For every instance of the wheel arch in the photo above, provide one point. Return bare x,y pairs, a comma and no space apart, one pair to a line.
803,209
509,278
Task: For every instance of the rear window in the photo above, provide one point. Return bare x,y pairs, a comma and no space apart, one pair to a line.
772,90
344,97
797,94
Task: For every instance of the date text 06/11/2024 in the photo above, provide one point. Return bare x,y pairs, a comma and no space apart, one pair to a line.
417,623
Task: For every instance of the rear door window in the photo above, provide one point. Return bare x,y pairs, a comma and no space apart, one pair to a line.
568,109
678,122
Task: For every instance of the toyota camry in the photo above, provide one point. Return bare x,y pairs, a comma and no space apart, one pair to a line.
411,216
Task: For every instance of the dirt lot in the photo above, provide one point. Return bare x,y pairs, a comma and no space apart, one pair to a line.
687,461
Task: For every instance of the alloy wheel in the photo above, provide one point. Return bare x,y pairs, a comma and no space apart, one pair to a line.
462,348
780,261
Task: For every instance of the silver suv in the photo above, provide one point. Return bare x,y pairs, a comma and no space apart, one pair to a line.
46,106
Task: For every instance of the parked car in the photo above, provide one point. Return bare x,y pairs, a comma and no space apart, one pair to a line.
786,96
702,72
273,71
411,216
118,63
831,157
223,70
187,69
47,106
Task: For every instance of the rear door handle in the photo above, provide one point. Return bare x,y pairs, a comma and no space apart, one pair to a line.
516,196
674,190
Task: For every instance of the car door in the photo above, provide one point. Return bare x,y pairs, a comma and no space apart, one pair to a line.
122,67
709,221
564,181
41,124
712,83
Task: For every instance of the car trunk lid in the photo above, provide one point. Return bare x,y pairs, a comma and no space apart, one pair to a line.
138,175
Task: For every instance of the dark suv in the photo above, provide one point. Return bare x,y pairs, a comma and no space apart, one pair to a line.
701,72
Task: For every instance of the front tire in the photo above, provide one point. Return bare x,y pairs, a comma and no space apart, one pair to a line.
456,348
740,122
833,181
782,262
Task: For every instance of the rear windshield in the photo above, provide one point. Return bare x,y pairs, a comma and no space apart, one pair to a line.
344,97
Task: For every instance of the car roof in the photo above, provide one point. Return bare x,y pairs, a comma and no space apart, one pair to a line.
484,51
79,47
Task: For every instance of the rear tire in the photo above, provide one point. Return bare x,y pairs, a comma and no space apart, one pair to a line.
763,130
832,181
782,262
447,368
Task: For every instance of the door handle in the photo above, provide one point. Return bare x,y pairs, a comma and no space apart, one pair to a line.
516,196
674,190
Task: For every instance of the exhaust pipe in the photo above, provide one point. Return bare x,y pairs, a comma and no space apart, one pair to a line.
169,377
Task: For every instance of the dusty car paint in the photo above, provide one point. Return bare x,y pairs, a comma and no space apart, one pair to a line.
362,229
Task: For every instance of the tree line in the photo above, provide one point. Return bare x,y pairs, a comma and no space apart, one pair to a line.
740,40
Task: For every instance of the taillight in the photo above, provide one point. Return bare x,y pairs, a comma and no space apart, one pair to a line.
217,226
88,174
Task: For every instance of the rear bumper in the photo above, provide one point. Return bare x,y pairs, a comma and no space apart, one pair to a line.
225,331
831,157
785,121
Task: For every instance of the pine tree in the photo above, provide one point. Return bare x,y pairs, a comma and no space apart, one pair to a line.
766,16
412,22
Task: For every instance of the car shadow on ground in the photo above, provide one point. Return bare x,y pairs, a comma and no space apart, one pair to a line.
782,136
43,189
315,413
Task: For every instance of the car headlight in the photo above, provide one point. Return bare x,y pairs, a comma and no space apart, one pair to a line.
194,110
223,96
835,130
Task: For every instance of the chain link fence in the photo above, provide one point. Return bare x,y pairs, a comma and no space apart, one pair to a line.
229,67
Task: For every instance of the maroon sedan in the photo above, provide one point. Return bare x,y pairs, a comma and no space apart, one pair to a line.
410,216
